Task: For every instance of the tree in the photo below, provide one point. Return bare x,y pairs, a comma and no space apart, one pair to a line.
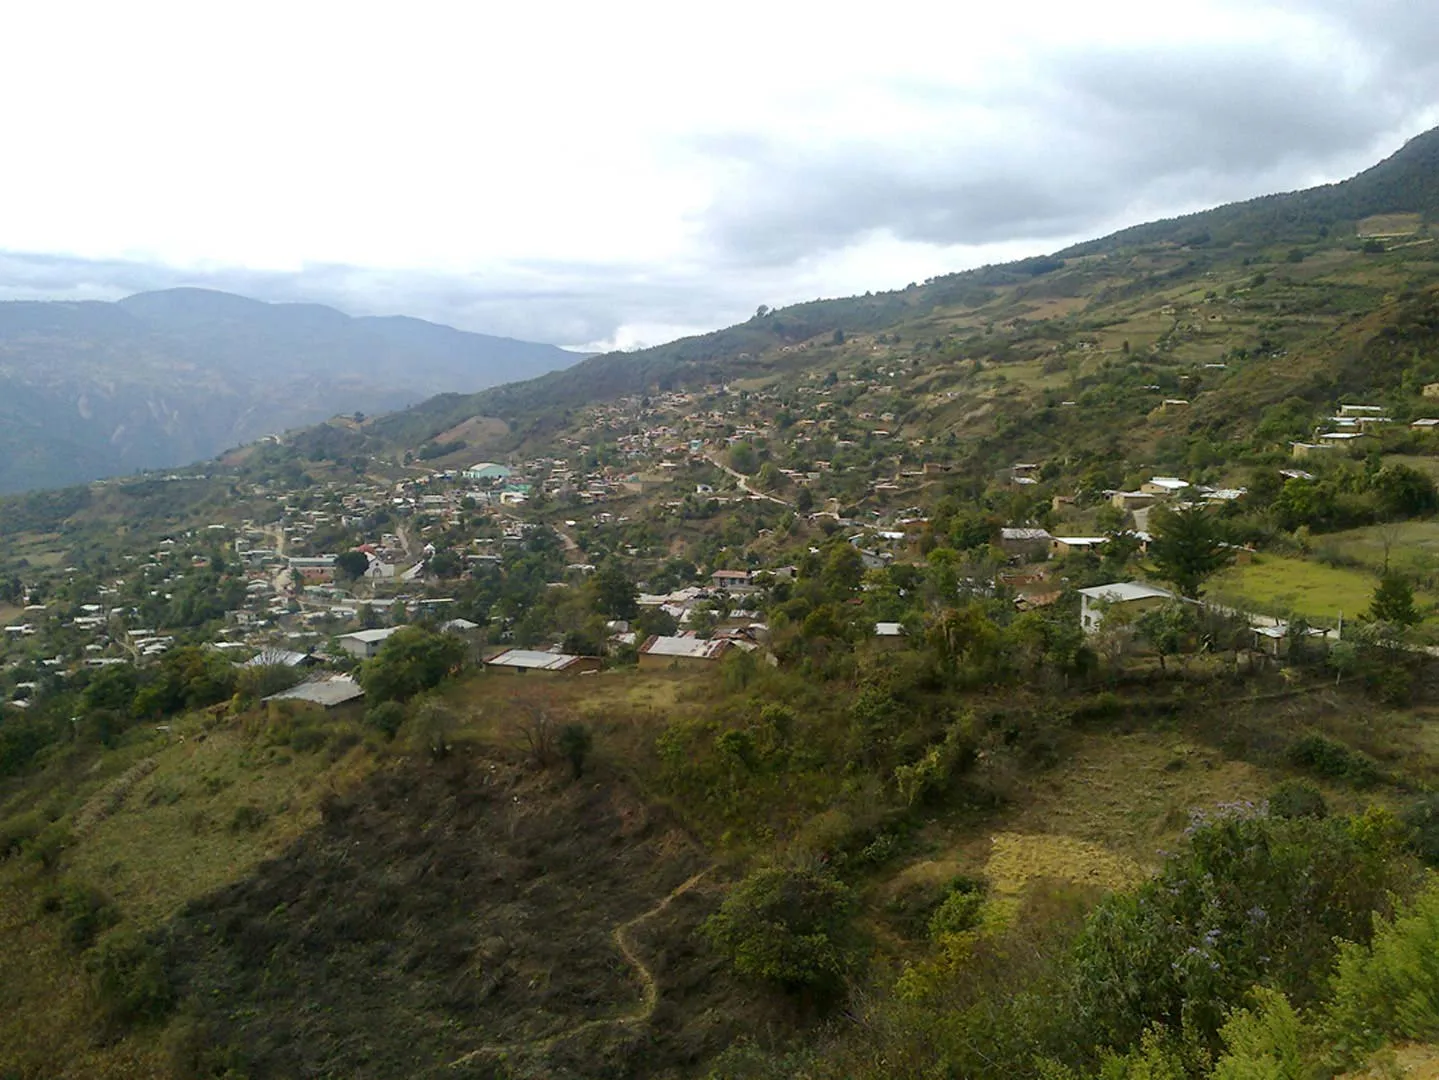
1393,602
1188,547
789,925
743,459
411,661
1166,628
614,592
575,742
352,565
1404,491
804,500
843,569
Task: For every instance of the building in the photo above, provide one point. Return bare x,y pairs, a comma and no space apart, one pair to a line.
1134,596
1425,426
365,643
732,579
1061,546
1352,439
313,569
670,652
524,661
1161,486
488,471
327,693
1132,500
1029,543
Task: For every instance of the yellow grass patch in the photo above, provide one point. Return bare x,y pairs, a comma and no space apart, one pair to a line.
1389,225
1412,1061
1017,860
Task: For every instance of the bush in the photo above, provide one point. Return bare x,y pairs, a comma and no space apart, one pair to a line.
959,912
86,912
1330,758
574,743
1389,990
49,846
387,718
1297,799
129,981
18,832
787,925
1422,819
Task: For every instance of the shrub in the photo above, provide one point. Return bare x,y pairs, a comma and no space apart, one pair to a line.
18,832
959,912
85,910
49,846
1262,1043
575,742
387,718
1389,990
129,981
1297,799
247,818
1330,758
788,925
1422,819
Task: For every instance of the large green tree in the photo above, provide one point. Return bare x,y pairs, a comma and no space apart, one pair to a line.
1188,547
411,661
1393,602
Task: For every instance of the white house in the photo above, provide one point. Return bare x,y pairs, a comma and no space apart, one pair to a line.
365,643
1095,601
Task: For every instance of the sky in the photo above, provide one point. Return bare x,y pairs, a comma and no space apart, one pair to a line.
611,175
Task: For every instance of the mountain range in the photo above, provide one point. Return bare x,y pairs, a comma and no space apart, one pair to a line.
92,389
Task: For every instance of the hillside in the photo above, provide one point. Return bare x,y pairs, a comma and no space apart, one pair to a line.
160,379
1026,310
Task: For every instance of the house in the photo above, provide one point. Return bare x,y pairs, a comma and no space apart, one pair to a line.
1061,546
1164,486
1425,426
327,693
732,579
313,569
1132,500
1304,449
670,652
1030,543
365,643
459,626
889,635
524,661
488,471
1361,410
1353,439
1134,596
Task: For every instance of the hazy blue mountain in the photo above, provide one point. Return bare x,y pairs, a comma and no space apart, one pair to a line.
91,389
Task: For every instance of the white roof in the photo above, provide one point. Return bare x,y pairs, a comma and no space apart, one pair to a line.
888,629
1081,541
1120,591
369,637
688,647
1013,533
531,659
1173,483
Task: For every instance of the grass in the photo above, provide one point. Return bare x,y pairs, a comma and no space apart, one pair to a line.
1282,585
1413,546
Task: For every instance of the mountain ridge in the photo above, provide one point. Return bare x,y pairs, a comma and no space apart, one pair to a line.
158,379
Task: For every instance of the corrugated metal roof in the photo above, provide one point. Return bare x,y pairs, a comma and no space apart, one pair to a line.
327,692
531,659
684,647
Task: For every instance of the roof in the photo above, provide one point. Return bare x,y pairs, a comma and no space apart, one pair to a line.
1081,541
1173,483
888,629
1009,533
330,692
731,574
531,660
689,648
369,637
460,625
1121,591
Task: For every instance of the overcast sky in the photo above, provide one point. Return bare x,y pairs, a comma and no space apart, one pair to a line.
609,174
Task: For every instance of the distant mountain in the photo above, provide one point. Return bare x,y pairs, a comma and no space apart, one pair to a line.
93,389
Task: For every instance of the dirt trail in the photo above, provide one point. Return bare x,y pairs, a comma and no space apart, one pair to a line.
649,998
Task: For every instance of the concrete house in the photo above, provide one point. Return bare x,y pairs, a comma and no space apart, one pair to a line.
488,471
1061,546
365,643
1134,596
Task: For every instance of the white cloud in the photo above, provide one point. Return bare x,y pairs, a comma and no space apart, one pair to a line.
615,173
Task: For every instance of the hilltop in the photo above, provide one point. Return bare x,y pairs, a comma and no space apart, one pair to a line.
92,389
